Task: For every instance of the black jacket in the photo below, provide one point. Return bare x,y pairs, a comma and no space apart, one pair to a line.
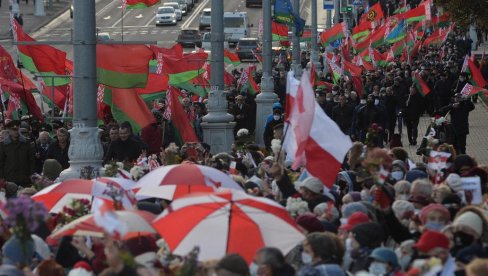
56,152
459,116
120,151
16,161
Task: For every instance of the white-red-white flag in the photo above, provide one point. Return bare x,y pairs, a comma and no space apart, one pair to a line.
106,218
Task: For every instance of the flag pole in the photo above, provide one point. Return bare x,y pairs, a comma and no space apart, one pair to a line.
123,9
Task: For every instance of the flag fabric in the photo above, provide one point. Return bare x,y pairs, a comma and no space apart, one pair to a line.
373,14
279,31
42,59
325,144
353,69
476,78
123,66
185,68
398,48
469,90
396,32
361,62
247,81
179,117
401,9
127,105
284,14
7,66
140,4
375,39
442,21
22,97
338,31
306,36
420,84
231,58
361,31
414,15
337,72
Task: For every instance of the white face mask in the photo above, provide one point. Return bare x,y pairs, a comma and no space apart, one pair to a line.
397,175
362,101
377,268
334,92
376,102
253,269
349,244
306,258
403,197
276,117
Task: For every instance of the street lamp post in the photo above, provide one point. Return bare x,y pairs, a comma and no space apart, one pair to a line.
296,55
217,124
85,147
265,99
39,8
314,51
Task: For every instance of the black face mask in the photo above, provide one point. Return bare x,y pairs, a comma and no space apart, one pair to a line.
461,240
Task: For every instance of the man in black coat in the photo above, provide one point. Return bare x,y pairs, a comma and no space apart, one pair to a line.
124,149
414,107
459,110
242,114
342,115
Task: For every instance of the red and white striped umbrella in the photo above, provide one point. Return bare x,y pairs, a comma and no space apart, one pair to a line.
173,181
227,222
138,224
126,184
58,195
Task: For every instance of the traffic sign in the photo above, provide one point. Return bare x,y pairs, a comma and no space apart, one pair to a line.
328,5
357,2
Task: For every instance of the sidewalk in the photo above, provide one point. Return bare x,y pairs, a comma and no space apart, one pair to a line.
31,22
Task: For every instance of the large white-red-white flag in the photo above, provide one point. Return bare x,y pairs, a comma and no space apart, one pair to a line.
312,139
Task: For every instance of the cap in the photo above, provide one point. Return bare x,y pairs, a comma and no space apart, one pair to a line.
355,219
432,240
313,184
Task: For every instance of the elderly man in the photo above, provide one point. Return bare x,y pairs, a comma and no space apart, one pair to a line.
16,157
41,146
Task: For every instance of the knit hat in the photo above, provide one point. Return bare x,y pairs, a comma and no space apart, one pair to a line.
310,223
353,207
433,207
356,196
403,209
462,160
51,169
399,164
469,222
431,240
355,219
313,184
385,255
368,234
81,268
453,180
414,175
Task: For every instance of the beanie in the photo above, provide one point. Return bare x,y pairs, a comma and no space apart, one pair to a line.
310,223
51,169
313,184
431,240
353,207
434,207
403,209
470,222
368,234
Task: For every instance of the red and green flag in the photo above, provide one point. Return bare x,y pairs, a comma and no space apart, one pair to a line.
414,15
176,114
420,84
127,105
375,39
401,9
442,21
184,69
138,4
374,13
469,90
338,31
352,68
20,99
476,78
123,66
361,31
231,58
397,48
44,60
397,31
247,82
306,36
279,31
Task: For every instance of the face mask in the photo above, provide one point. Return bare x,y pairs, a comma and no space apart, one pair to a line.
334,92
306,258
253,269
463,240
376,102
462,79
402,196
328,99
348,244
397,175
377,268
362,101
347,96
276,117
435,226
328,78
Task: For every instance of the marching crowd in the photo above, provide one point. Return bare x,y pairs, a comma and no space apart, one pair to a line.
384,215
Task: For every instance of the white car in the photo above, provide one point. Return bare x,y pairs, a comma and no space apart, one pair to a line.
205,19
166,16
207,43
176,6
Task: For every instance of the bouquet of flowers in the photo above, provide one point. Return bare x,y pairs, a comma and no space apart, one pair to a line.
296,207
75,209
243,139
112,168
170,155
176,265
24,216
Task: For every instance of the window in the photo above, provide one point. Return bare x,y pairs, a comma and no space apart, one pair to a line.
166,10
234,22
207,13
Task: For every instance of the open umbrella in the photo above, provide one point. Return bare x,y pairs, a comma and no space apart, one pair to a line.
171,182
225,222
138,224
58,195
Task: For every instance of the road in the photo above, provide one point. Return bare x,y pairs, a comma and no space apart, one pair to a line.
139,25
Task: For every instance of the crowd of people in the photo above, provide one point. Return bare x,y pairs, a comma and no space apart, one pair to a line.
384,215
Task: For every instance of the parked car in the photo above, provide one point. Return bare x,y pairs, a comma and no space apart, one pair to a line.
207,43
205,19
190,37
247,47
166,16
176,6
254,3
103,36
183,6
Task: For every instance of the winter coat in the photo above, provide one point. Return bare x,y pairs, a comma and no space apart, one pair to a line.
17,161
